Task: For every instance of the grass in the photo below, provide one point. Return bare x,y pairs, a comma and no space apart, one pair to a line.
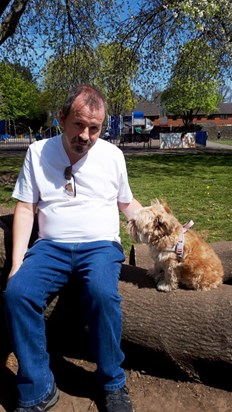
196,186
9,168
227,142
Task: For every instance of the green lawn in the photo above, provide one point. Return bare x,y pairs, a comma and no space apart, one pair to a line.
227,142
9,169
196,186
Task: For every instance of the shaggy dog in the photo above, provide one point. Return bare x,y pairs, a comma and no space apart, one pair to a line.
180,255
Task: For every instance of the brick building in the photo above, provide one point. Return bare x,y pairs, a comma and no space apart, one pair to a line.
220,120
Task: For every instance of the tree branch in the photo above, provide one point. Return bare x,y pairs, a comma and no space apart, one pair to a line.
8,26
3,6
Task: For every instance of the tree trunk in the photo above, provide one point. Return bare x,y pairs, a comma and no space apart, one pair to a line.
191,328
189,331
11,20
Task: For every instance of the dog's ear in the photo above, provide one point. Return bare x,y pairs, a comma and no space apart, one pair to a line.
163,226
161,223
130,223
155,202
166,207
131,229
163,203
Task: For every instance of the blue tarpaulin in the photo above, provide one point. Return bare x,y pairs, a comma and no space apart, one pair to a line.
201,137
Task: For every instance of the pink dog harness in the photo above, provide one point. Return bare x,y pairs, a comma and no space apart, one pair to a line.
179,247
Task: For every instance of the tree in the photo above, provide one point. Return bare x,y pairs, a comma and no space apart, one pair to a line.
108,66
158,29
41,28
65,71
117,66
194,83
25,72
2,104
20,97
11,18
155,29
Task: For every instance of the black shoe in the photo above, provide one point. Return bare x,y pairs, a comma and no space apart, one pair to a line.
118,401
44,405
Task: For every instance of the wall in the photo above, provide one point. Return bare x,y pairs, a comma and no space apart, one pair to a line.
216,122
226,131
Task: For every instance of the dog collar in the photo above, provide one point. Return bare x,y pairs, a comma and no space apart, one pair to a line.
179,247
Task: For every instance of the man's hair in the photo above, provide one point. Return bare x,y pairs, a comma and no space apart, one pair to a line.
91,95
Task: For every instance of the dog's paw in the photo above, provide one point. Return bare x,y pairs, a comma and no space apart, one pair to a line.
162,286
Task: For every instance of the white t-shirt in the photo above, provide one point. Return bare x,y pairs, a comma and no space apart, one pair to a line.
100,180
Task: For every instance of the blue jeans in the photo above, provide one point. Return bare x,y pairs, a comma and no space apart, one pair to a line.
47,267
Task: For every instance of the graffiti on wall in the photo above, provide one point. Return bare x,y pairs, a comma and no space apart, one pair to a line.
177,140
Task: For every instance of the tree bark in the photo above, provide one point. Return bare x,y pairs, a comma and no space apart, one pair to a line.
3,5
140,257
11,20
187,330
191,328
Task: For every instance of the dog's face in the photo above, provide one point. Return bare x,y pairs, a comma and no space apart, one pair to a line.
152,223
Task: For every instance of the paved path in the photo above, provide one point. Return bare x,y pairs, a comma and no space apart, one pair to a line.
214,145
138,149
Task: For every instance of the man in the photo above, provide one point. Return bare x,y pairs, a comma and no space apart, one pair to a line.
77,183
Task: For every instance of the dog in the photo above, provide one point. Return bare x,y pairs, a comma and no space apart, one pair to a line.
180,254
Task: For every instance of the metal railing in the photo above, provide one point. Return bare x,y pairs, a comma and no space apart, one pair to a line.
16,143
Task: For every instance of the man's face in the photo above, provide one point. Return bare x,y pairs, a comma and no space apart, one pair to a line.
82,127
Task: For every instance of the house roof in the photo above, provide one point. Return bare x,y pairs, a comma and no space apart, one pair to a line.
225,108
148,108
153,109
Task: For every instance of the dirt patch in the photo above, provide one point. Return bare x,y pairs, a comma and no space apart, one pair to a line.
78,392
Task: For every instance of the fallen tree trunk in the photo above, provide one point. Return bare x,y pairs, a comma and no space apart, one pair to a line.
188,329
191,328
140,257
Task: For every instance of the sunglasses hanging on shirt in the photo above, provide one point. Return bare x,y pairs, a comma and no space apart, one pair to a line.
70,187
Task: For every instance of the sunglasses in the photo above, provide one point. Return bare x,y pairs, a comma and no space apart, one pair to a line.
69,187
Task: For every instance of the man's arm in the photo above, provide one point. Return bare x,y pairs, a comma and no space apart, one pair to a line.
128,209
22,227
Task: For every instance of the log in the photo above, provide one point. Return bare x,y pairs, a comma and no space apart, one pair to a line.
139,256
190,328
189,331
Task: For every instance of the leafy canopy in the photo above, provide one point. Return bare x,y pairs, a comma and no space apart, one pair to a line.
158,29
108,66
34,30
20,97
39,29
194,83
117,66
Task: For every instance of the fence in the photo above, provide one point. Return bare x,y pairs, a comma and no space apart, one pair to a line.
17,143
